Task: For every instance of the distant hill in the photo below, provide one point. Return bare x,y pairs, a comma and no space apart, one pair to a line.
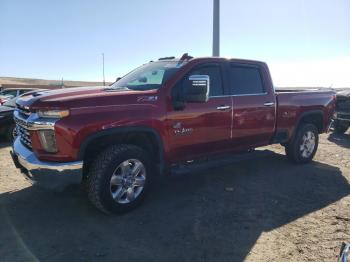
33,81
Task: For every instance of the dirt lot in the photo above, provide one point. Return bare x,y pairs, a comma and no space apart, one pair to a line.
259,209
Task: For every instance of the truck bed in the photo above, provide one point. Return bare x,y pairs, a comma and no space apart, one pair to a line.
293,103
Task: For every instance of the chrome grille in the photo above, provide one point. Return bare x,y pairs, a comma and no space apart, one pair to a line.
24,135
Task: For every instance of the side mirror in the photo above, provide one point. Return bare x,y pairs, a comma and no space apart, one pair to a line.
118,78
198,89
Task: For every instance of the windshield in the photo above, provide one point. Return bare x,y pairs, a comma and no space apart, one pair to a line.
150,76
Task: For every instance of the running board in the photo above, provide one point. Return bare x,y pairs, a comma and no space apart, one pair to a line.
204,164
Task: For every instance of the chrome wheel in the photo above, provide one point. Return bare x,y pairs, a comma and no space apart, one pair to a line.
128,181
308,143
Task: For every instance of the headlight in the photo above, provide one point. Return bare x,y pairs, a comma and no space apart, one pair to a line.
53,113
48,140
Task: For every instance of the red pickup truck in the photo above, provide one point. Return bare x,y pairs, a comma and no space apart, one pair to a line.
118,138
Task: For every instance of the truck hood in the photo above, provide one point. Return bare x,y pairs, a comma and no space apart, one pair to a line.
81,97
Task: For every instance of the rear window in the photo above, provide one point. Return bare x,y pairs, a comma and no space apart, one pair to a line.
245,80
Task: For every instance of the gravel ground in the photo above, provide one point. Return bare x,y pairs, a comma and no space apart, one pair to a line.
259,209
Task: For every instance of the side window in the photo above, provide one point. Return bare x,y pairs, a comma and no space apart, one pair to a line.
12,93
23,91
214,72
245,80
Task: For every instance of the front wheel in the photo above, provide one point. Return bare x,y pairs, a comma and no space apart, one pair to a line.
302,148
119,178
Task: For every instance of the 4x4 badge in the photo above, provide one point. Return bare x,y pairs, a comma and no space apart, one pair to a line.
179,130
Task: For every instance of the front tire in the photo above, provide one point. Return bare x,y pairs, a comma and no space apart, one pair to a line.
302,148
119,178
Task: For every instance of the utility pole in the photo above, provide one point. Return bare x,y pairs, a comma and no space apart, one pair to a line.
103,68
216,27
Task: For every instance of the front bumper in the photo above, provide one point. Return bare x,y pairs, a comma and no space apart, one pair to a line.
53,175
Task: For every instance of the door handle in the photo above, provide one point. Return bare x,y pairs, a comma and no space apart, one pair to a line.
223,108
269,104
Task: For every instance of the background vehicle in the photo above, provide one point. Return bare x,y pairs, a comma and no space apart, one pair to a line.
118,138
7,124
8,94
342,113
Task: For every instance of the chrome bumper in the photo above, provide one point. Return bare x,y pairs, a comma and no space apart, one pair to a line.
48,174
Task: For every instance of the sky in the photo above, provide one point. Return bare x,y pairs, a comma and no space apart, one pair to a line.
305,42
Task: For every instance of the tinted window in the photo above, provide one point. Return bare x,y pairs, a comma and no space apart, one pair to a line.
214,74
245,80
24,91
12,93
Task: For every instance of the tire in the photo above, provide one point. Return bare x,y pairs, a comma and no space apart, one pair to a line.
117,174
302,148
340,128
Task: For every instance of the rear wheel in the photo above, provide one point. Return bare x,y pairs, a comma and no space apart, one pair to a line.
302,148
119,178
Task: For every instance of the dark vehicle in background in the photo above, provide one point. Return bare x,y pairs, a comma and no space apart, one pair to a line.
342,113
7,124
7,94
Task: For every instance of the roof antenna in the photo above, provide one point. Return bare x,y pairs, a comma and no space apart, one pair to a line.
185,56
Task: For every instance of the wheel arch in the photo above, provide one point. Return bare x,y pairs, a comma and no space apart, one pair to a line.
145,137
315,117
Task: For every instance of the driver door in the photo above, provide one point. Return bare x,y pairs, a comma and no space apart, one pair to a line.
201,129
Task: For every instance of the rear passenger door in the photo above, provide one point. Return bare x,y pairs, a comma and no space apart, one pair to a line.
253,106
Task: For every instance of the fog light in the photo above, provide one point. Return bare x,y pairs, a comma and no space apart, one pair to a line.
48,140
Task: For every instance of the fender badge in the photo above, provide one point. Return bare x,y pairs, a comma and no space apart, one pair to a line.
147,98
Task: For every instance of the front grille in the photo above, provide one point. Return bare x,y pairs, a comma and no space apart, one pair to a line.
343,104
24,135
343,116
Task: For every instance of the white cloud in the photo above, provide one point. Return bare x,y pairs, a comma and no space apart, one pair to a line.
325,73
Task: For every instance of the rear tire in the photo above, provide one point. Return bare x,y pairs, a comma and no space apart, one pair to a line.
119,178
302,148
